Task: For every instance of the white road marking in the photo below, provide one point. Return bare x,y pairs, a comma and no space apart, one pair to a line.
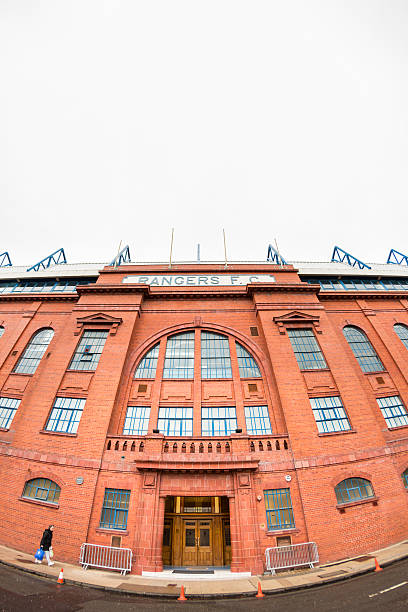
396,586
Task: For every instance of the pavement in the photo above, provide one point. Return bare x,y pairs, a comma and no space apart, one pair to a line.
220,584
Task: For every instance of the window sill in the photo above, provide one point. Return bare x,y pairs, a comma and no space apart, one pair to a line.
81,371
377,372
336,433
314,369
360,502
172,379
58,433
278,532
4,429
38,502
21,374
397,427
112,530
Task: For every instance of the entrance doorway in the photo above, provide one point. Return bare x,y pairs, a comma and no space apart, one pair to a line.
197,542
192,540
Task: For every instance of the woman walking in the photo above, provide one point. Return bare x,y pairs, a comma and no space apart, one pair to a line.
45,544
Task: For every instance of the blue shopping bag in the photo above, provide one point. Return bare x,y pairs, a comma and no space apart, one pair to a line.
39,555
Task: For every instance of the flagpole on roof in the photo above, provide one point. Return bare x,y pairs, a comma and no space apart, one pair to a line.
171,246
225,248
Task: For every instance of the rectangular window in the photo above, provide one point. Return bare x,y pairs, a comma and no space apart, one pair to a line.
329,414
89,350
175,421
279,512
8,408
179,358
257,420
65,415
136,421
115,509
306,349
215,356
218,421
393,411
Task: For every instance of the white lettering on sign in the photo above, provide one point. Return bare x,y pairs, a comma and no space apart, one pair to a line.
194,280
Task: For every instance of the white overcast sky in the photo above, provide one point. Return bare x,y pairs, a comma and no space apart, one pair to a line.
122,119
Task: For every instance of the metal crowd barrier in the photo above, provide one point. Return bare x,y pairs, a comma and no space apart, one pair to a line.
283,557
106,557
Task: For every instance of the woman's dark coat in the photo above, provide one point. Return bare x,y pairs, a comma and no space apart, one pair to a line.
46,540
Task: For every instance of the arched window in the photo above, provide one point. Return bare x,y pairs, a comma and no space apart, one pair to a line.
34,351
42,489
1,330
218,364
405,478
353,489
402,333
147,366
248,367
363,350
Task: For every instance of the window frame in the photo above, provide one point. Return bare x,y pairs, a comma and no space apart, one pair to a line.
367,346
263,430
219,366
356,483
214,420
26,358
390,407
150,371
57,412
321,410
404,328
143,421
78,356
55,491
279,510
291,332
6,420
181,421
246,362
172,358
109,510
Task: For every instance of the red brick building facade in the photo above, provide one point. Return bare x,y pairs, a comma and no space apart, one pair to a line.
292,392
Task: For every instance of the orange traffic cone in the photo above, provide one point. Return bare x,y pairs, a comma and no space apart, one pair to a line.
182,596
377,566
259,594
61,577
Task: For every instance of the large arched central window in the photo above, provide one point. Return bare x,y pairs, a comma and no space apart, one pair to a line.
230,395
215,356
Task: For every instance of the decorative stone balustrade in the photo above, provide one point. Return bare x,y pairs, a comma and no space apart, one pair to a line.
157,444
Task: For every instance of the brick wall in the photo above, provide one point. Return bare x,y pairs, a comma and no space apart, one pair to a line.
310,466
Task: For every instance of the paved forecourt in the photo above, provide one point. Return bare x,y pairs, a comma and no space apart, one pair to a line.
221,584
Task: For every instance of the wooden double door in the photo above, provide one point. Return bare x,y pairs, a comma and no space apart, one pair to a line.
197,541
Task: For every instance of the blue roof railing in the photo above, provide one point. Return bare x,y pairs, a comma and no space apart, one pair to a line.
58,257
395,257
5,260
122,257
275,257
342,256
